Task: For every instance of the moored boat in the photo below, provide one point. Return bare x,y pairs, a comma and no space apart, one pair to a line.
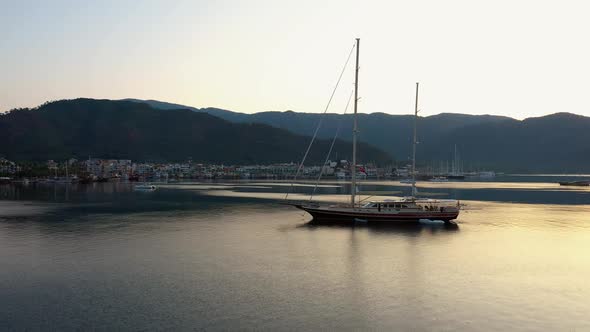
439,179
486,174
455,177
145,187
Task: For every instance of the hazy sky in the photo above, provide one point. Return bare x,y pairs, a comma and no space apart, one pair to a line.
515,58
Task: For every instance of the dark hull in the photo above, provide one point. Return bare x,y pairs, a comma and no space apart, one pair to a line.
340,216
575,183
456,177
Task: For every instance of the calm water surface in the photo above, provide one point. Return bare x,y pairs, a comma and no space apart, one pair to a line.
219,256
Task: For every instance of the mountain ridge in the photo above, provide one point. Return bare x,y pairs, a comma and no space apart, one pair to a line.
131,130
558,142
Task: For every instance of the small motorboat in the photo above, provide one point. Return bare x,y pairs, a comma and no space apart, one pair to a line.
145,187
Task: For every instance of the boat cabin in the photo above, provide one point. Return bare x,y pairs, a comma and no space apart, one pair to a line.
421,205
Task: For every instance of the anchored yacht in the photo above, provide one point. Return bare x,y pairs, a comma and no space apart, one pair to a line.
404,209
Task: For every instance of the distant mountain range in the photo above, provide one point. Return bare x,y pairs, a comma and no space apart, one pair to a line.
138,131
555,143
160,131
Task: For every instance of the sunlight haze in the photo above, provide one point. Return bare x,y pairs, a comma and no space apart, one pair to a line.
513,58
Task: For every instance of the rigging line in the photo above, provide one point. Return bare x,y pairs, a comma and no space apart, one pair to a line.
320,121
331,146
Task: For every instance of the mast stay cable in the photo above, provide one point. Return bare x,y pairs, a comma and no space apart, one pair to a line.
331,147
320,122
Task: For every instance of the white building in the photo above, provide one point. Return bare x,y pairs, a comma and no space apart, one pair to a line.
8,167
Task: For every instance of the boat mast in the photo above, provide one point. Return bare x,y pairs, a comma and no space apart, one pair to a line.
414,145
354,126
456,163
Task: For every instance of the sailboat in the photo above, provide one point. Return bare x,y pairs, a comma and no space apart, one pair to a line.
67,179
456,172
404,209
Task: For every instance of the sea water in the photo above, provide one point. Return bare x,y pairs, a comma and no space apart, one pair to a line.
227,255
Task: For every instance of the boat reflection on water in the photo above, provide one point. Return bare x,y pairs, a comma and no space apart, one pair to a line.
406,227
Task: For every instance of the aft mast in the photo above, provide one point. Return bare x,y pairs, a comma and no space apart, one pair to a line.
414,192
354,127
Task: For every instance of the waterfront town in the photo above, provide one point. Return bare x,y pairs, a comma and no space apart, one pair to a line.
102,170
